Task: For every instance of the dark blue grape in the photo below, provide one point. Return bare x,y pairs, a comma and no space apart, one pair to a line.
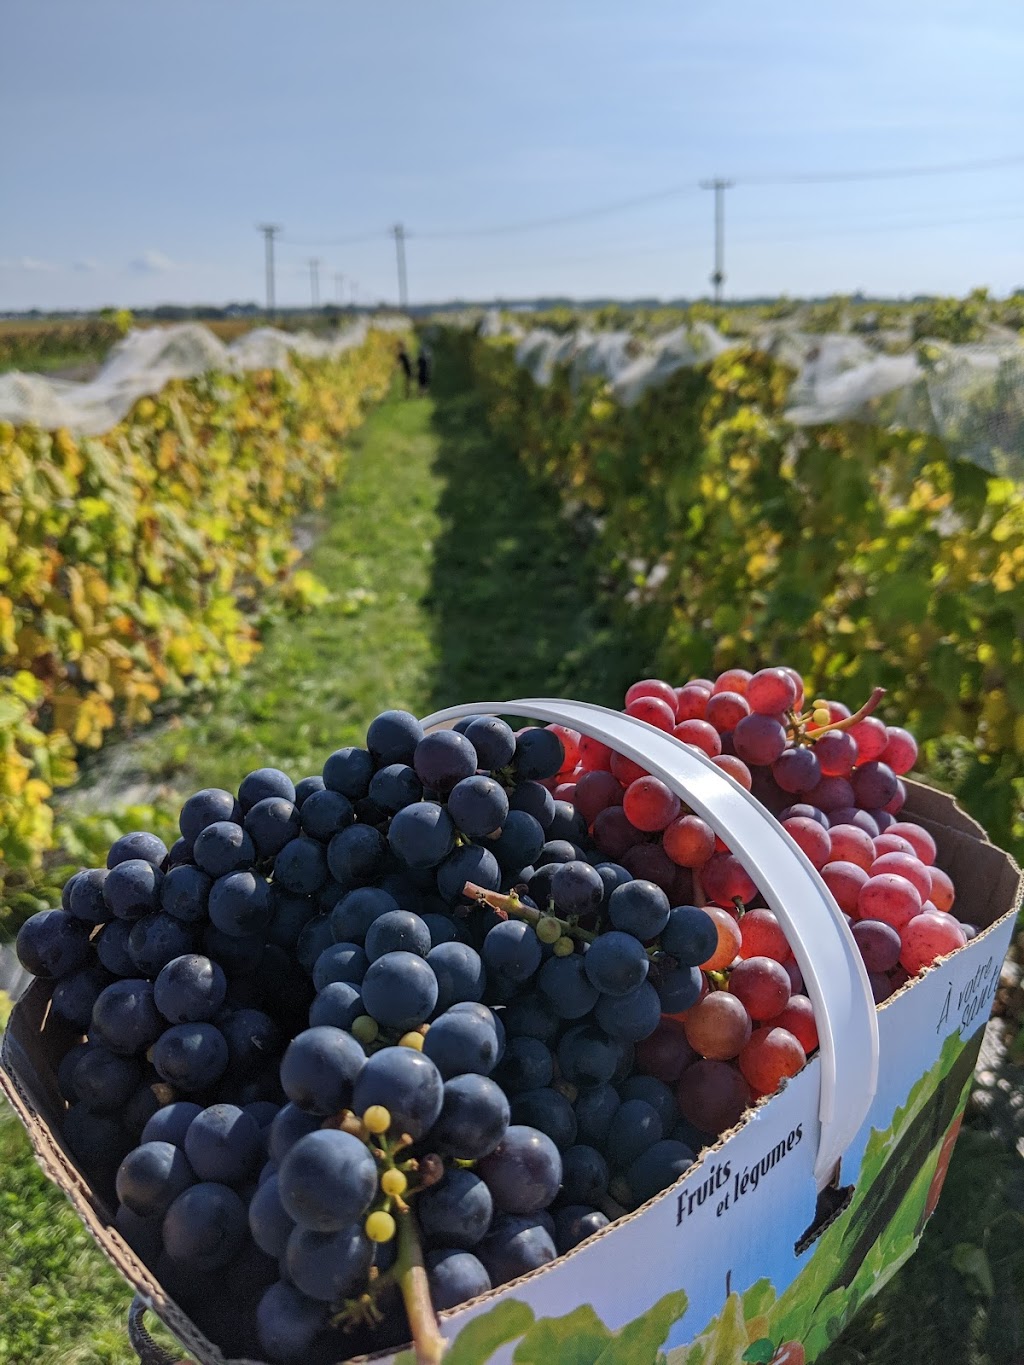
138,844
272,823
132,889
565,984
289,915
444,758
459,972
567,823
459,1042
329,1266
513,949
574,1224
514,1247
678,989
327,1180
224,847
399,991
612,875
240,904
443,929
635,1127
531,1016
395,786
111,945
616,963
585,1175
349,771
587,1056
356,911
325,814
338,1004
690,935
287,1322
156,940
577,889
237,955
263,1111
456,1212
300,867
319,1068
478,805
474,1116
189,989
455,1276
393,737
487,1015
184,892
69,886
422,835
397,931
207,807
524,1172
75,995
141,1234
191,1057
556,851
66,1070
205,1227
145,1101
656,1168
535,800
262,783
170,1124
253,1040
86,900
539,753
290,1124
125,1017
151,1177
356,855
105,1081
493,740
527,1064
314,936
269,1221
657,1094
51,944
340,962
639,908
223,1144
305,787
630,1017
470,863
549,1111
520,841
407,1084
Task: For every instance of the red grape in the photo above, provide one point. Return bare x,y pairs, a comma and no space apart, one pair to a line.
613,833
844,880
811,838
796,976
689,841
798,1018
803,811
565,791
762,984
733,680
922,841
691,701
654,711
798,683
837,753
927,937
879,944
701,735
666,1052
881,986
650,863
872,738
725,879
850,815
900,752
905,865
717,1026
892,843
570,743
652,687
832,793
763,936
650,805
595,791
712,1096
736,769
874,785
797,770
729,940
889,898
837,710
771,691
772,1055
759,739
943,892
626,770
852,845
594,755
725,710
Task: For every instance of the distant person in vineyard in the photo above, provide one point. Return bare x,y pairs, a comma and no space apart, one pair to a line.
423,369
405,361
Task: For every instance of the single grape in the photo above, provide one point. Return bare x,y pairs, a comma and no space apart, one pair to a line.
798,1018
689,841
204,808
289,1125
125,1016
191,1057
836,753
634,1128
851,815
889,898
422,835
170,1124
587,1056
398,930
205,1227
763,936
665,1054
811,839
797,770
844,880
692,700
771,691
678,989
726,880
771,1055
905,865
319,1069
329,1266
456,1212
223,1144
51,944
325,813
224,847
942,891
460,1042
455,1276
718,1026
184,892
393,737
287,1322
189,989
512,949
269,1221
849,844
759,739
131,889
337,1004
138,844
327,1180
874,784
625,770
340,962
639,908
616,962
459,973
879,944
832,794
712,1095
103,1080
475,1115
404,1082
563,981
349,771
926,937
443,759
271,823
762,984
729,939
524,1172
399,991
656,1168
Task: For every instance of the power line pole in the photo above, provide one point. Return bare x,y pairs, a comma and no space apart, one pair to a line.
403,295
339,288
719,187
314,281
270,231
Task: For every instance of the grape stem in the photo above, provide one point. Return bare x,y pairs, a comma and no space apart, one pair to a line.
870,705
412,1277
512,905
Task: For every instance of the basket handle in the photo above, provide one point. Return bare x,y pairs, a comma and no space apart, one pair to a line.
832,967
148,1351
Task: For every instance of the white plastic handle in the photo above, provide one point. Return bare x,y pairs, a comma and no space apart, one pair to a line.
832,967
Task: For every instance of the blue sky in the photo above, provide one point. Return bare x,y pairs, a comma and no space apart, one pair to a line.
140,143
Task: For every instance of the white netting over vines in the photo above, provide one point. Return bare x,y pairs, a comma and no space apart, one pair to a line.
147,359
971,397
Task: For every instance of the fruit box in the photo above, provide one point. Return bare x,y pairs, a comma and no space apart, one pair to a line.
770,1242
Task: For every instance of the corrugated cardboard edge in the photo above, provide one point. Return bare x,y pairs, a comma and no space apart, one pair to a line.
28,1089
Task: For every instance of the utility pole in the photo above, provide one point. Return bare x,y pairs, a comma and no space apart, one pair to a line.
339,289
403,295
314,281
270,231
719,187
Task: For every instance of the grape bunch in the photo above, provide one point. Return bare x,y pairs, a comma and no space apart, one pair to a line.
372,1043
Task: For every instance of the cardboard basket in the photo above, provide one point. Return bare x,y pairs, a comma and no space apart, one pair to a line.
787,1224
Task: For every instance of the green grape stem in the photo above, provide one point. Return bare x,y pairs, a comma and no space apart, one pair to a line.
412,1278
512,905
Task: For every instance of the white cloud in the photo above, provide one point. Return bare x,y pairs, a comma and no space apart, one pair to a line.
153,262
30,264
